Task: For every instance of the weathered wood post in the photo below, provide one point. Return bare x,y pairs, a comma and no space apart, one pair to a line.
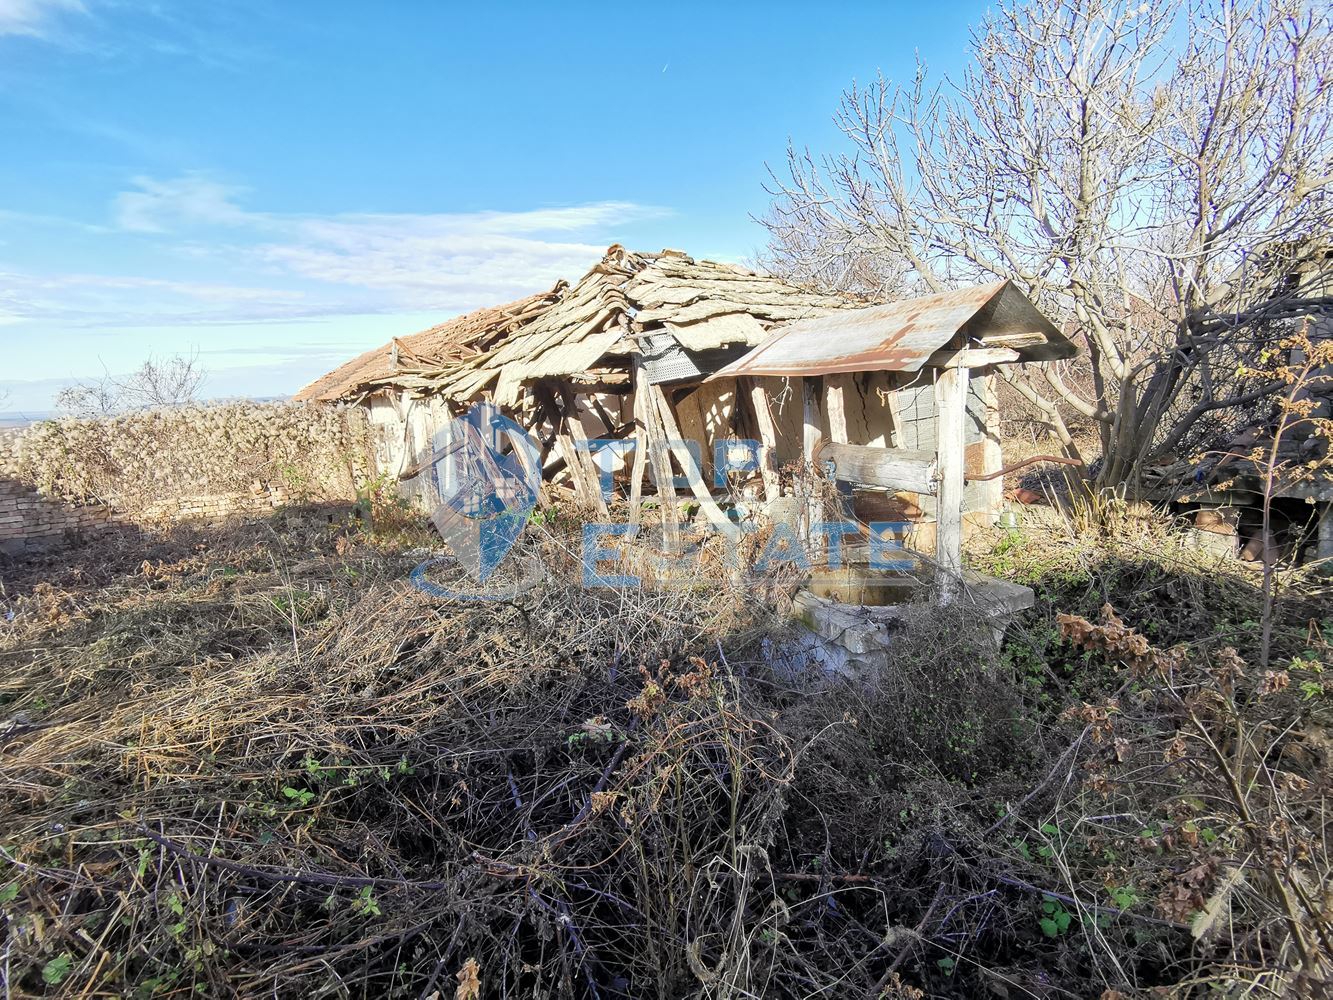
951,403
835,400
640,442
810,437
768,440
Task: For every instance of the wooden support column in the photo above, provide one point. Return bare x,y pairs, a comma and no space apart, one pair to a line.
655,439
810,437
807,390
768,439
951,403
692,471
640,445
580,455
835,398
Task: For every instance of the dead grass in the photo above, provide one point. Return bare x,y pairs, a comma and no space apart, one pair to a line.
256,761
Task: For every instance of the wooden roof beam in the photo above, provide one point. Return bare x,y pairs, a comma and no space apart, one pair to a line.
972,357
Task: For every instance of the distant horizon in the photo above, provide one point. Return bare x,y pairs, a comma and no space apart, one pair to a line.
23,417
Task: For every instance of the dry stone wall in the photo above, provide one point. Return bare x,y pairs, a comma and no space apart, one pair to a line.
72,476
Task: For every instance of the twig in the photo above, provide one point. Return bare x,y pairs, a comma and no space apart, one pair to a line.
299,878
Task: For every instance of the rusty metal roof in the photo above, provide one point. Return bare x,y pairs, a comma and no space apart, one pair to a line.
903,335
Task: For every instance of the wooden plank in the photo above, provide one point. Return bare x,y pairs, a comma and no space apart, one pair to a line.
951,400
975,357
1014,340
887,468
582,456
835,401
655,440
640,448
768,439
564,447
697,485
810,439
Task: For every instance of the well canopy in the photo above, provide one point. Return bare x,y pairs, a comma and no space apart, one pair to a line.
902,336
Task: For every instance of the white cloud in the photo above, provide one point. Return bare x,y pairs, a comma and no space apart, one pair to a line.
450,261
193,199
285,267
34,17
381,261
88,300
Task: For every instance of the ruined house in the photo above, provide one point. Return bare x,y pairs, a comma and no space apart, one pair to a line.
662,348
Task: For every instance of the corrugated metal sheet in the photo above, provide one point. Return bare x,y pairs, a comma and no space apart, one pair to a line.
664,360
901,336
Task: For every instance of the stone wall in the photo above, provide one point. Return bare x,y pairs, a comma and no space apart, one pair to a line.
29,520
71,477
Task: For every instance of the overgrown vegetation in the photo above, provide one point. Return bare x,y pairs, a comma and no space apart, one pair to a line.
257,761
139,458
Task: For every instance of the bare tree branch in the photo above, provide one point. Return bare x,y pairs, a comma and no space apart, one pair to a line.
1151,173
173,381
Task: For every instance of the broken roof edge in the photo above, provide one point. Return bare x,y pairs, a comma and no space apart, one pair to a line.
374,370
902,335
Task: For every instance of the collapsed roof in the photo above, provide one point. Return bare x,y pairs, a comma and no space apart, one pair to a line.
571,330
403,357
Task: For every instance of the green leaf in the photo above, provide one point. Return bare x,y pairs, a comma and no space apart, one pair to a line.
1049,927
1062,920
55,971
299,795
9,892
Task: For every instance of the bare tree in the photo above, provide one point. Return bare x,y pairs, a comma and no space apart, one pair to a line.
1149,172
172,381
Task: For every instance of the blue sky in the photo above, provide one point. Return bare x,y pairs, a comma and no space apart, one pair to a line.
280,185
